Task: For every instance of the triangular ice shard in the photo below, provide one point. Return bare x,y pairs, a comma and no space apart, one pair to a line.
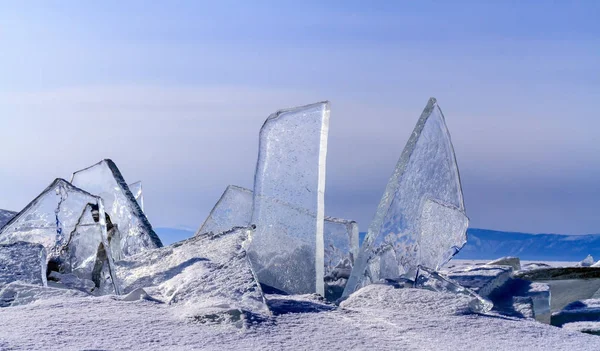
287,248
136,190
61,219
421,217
234,209
105,180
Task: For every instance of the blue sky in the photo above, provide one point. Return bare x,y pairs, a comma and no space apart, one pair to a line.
175,93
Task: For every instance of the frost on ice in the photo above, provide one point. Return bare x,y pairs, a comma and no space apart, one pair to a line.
5,216
62,220
134,231
136,190
22,262
289,186
234,209
208,277
421,217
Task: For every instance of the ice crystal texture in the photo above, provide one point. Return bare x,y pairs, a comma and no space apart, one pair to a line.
60,219
105,180
234,209
6,216
420,218
205,275
287,248
136,190
22,262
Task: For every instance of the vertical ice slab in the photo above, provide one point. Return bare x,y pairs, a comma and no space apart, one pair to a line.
23,262
136,190
420,218
234,209
105,180
287,248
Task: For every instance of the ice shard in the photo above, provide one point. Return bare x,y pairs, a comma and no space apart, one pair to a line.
421,217
5,216
234,209
23,262
61,220
136,190
105,180
287,248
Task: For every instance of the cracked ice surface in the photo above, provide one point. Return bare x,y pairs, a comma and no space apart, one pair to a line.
287,247
234,209
5,216
23,262
105,180
420,219
207,275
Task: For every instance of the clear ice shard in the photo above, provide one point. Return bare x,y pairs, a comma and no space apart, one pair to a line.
61,220
421,217
234,209
136,190
429,279
23,262
105,180
5,216
287,250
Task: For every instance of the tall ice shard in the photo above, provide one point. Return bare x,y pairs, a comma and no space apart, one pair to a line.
105,180
421,218
287,251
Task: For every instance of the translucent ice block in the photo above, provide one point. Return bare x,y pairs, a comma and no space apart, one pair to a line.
234,209
406,227
136,190
287,248
23,262
105,180
5,216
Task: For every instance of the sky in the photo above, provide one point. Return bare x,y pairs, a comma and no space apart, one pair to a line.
175,93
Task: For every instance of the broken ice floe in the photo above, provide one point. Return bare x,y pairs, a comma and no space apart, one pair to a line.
234,209
207,278
61,220
136,190
105,180
287,248
586,262
513,262
421,218
22,262
6,216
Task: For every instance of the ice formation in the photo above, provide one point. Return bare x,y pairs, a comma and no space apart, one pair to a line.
61,220
105,180
482,279
5,216
23,262
513,262
288,210
430,280
421,217
587,262
234,209
136,190
206,276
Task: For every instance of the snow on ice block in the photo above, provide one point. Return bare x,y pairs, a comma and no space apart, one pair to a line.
482,279
431,280
578,311
105,180
136,190
287,248
234,209
6,216
421,216
513,262
18,294
22,262
207,277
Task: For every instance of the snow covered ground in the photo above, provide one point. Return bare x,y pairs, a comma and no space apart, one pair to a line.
377,317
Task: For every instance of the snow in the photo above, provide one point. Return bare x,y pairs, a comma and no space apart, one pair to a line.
377,317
